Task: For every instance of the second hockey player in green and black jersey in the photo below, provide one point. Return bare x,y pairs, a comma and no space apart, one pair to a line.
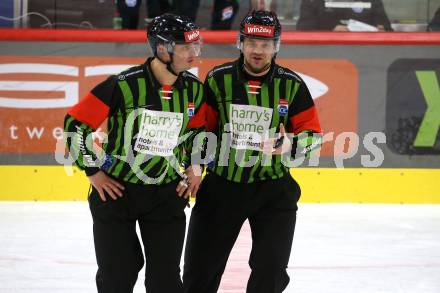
244,109
153,110
249,103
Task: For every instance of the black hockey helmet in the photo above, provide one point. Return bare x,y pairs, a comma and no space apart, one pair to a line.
260,24
170,29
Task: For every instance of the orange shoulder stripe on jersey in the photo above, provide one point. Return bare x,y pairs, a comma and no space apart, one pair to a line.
305,120
211,118
90,110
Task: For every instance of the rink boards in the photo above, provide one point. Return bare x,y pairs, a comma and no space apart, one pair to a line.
319,185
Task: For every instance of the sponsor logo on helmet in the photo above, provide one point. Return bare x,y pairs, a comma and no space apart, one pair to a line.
259,30
192,36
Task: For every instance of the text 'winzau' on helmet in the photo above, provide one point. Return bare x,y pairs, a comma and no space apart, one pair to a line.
260,24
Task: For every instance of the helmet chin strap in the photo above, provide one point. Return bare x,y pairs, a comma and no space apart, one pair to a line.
168,64
170,69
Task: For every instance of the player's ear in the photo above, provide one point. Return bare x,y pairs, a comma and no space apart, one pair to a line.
161,49
162,52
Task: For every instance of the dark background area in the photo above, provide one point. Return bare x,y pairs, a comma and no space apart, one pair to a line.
100,13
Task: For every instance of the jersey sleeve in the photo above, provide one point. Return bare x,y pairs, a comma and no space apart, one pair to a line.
212,113
85,117
303,122
206,120
196,125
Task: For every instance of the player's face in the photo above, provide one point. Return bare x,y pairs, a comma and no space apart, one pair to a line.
258,53
184,55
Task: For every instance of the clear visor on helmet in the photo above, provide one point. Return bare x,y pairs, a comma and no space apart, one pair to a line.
258,44
186,50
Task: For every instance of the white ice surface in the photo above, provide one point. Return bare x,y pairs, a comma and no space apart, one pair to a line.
48,247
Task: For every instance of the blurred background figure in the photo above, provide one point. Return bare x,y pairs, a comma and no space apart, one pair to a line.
128,11
327,15
404,15
188,8
224,11
223,14
434,24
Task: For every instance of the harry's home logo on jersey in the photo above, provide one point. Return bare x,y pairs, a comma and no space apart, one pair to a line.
250,125
413,107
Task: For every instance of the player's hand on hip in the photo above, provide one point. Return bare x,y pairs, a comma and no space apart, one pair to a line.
189,185
104,183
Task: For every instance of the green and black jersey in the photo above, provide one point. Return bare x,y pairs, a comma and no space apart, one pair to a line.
149,125
241,110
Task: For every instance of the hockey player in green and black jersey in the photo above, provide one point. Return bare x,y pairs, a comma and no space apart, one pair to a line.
153,111
251,101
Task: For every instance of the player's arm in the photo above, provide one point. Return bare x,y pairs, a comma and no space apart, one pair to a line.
205,119
79,123
193,148
212,95
196,125
303,123
212,92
